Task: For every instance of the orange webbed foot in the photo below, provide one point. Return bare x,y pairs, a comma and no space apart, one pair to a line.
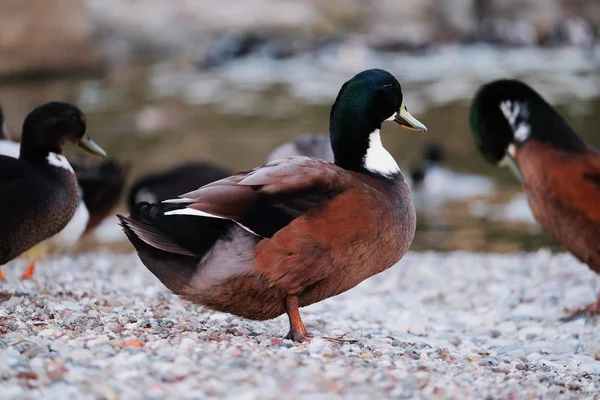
298,332
28,274
298,337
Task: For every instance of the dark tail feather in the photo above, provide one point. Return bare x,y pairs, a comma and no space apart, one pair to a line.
152,236
195,234
171,247
174,270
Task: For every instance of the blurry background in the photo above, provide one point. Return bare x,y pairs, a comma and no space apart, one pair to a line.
165,81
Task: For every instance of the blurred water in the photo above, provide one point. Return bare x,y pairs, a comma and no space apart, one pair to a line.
163,114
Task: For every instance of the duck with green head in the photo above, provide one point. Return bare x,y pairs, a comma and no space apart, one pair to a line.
295,231
515,127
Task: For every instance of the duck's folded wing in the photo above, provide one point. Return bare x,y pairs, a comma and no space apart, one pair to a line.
268,198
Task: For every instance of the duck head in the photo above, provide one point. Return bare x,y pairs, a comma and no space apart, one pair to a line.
363,104
506,114
50,126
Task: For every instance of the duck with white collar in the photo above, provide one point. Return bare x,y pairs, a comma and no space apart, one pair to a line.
39,194
295,231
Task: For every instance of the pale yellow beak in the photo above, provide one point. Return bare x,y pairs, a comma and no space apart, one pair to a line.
403,118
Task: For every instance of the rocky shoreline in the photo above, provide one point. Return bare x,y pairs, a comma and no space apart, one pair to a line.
437,325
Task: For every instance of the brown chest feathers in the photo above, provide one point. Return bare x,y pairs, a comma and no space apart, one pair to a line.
565,197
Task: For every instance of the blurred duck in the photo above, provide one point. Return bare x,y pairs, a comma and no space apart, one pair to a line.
574,31
157,187
293,232
39,194
433,184
310,145
102,185
430,182
513,126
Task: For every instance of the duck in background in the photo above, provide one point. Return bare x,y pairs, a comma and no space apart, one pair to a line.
310,145
157,187
102,185
293,232
160,186
100,188
39,193
432,184
574,31
514,127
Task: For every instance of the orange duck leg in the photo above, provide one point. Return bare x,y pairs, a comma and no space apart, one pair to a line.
28,274
34,254
298,332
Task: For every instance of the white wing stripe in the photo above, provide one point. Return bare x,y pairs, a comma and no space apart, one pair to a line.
198,213
181,200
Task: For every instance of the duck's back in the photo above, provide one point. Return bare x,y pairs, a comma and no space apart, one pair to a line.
34,204
565,199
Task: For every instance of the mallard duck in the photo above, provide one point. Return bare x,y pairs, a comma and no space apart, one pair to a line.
309,145
515,127
432,183
160,186
295,231
39,194
433,156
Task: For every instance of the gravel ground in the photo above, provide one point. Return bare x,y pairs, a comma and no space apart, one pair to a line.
456,325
